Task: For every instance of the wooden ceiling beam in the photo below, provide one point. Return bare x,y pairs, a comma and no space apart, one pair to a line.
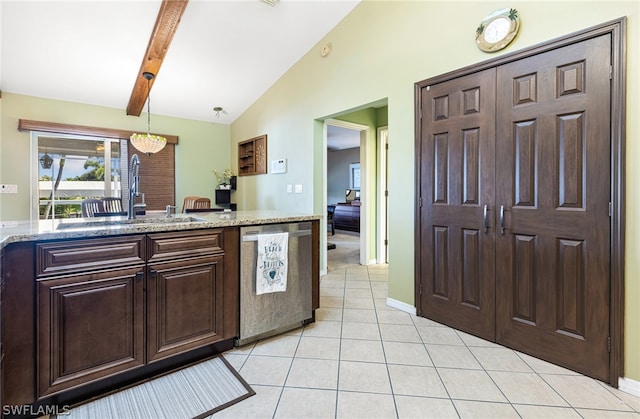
167,21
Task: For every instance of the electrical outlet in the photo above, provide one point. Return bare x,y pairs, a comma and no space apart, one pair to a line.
8,188
298,188
289,188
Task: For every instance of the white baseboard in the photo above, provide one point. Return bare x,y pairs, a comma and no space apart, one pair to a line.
629,386
323,272
407,308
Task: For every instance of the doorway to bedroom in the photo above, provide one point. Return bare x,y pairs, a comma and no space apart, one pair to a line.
355,179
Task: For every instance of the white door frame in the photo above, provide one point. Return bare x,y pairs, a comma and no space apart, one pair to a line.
366,190
383,218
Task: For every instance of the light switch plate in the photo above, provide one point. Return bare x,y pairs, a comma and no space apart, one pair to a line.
298,188
289,188
5,188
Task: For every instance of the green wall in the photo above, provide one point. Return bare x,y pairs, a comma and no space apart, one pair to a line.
379,51
202,146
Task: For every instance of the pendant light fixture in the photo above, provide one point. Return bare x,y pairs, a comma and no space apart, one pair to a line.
148,143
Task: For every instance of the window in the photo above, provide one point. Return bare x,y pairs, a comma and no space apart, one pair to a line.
70,169
103,149
354,176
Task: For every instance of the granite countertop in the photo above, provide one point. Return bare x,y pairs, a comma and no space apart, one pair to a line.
69,228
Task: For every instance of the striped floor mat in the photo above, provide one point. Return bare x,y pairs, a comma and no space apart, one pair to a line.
194,392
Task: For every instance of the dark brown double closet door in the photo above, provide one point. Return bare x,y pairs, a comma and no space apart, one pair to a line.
515,190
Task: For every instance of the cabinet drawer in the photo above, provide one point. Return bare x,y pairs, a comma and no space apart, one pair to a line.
164,246
54,258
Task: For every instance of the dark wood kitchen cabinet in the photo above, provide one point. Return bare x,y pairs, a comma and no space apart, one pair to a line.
184,292
90,326
90,315
83,316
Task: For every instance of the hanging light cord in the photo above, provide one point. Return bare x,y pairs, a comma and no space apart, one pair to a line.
148,76
148,143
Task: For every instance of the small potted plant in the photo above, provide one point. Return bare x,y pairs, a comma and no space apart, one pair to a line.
226,179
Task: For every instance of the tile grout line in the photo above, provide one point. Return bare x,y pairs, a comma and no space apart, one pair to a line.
284,383
487,373
547,383
344,290
455,408
384,353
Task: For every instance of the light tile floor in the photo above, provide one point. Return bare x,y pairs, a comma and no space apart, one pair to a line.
363,359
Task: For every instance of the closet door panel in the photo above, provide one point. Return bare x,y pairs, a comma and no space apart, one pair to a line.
524,138
553,171
456,182
524,279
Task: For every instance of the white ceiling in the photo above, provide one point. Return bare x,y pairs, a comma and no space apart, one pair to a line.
225,52
339,138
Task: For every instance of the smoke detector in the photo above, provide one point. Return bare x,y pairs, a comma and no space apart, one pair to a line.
325,50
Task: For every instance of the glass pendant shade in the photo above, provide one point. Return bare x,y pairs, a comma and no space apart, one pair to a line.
148,143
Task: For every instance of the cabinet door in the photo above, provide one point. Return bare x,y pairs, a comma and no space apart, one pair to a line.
90,326
184,305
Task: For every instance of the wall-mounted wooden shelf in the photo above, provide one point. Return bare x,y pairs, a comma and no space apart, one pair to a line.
252,156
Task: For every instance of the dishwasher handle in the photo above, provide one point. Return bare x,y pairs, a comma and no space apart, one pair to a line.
252,236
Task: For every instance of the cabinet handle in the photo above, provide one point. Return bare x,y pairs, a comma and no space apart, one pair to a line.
502,219
484,218
252,236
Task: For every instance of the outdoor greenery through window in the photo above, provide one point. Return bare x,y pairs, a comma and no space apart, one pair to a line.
71,169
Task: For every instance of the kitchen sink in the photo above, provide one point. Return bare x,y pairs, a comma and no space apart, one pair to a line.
119,221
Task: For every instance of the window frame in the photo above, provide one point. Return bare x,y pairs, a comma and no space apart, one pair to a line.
34,166
160,176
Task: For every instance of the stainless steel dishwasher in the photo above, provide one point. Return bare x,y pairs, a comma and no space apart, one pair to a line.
269,314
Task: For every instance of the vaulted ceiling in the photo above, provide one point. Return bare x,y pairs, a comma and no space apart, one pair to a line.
225,53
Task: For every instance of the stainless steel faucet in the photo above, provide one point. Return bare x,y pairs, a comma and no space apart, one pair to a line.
134,185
